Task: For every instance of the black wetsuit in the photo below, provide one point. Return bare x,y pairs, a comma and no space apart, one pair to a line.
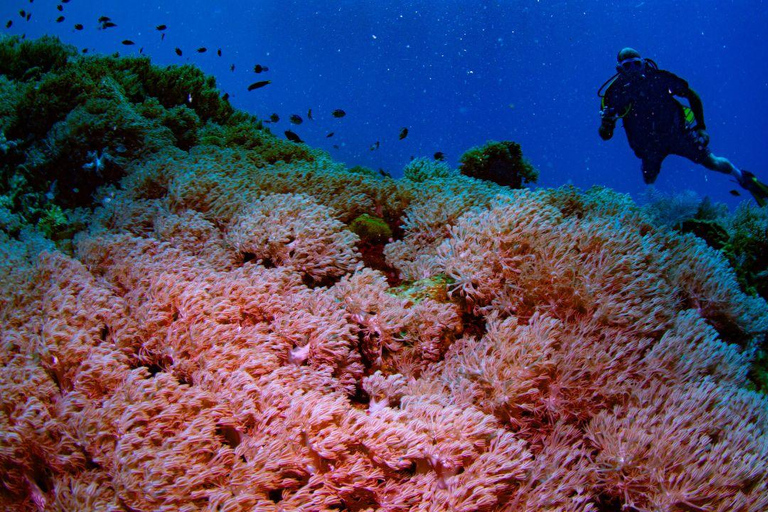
654,120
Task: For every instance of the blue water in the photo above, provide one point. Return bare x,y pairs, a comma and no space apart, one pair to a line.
456,73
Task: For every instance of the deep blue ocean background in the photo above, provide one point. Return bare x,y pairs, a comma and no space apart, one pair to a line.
455,73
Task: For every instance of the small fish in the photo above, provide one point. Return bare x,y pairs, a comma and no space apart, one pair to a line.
9,24
104,19
329,135
178,52
29,15
274,117
439,155
403,133
735,193
23,13
338,113
161,27
128,42
79,26
59,19
65,1
85,50
225,97
162,36
292,136
141,51
375,146
335,146
259,85
218,52
60,7
202,49
295,119
231,67
258,68
107,24
309,114
384,173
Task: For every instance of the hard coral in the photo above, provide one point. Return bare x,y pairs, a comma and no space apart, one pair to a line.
499,162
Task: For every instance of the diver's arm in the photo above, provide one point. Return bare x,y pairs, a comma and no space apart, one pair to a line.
696,107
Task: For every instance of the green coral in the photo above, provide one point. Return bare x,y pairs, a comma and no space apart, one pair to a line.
52,220
747,247
500,162
424,169
371,229
71,124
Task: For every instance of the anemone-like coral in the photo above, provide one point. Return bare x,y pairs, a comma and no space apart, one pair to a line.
216,340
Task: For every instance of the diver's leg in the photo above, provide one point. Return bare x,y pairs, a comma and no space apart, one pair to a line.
721,164
651,167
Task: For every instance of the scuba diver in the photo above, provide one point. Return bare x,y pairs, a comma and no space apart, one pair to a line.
657,125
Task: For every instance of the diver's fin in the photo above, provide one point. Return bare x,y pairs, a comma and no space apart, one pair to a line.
758,189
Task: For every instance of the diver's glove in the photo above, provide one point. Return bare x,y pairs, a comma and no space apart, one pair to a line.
606,130
608,116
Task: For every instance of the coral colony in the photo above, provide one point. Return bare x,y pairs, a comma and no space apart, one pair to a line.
221,319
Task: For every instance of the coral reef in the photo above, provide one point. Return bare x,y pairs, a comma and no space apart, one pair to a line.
215,338
500,162
72,124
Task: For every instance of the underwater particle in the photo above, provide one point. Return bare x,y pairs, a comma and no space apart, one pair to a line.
274,117
178,51
329,135
735,192
295,119
403,133
161,27
218,52
291,136
202,49
335,146
59,19
258,68
439,155
128,42
338,113
79,26
259,85
309,114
